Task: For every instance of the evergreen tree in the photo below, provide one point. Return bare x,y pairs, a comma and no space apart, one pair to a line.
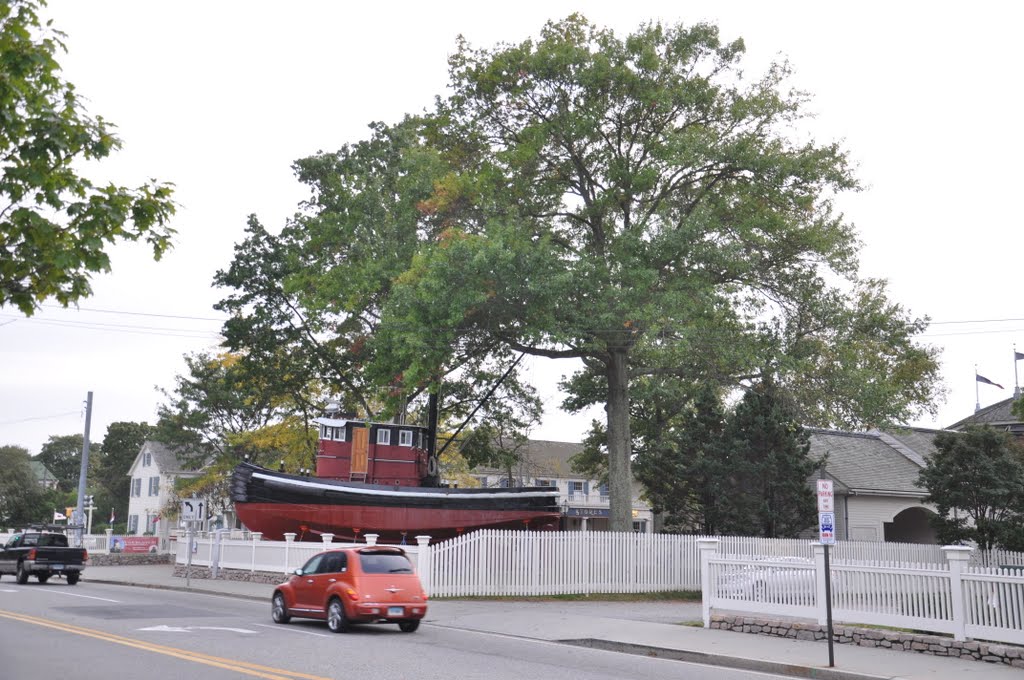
684,466
976,480
769,462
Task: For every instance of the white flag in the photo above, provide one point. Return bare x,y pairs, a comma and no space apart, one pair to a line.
57,516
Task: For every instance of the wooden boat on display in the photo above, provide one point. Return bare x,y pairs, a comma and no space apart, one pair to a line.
371,478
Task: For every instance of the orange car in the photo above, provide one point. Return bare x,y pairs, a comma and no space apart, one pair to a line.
374,584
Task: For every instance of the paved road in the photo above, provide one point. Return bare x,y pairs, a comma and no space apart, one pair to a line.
101,631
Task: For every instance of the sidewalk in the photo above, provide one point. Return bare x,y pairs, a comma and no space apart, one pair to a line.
646,628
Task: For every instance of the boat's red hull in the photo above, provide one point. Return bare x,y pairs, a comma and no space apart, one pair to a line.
392,524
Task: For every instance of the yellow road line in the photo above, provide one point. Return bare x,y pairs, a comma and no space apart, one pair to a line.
245,667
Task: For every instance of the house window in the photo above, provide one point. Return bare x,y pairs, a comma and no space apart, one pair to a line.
384,436
147,459
546,482
154,486
405,437
151,523
137,486
503,483
577,488
339,434
133,524
603,489
640,527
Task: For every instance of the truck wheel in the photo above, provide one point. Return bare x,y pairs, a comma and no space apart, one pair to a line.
22,577
43,578
72,577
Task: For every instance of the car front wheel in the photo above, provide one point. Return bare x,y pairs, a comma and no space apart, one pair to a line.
278,611
409,626
336,620
22,577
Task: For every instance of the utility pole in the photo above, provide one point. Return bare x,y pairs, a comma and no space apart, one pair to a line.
84,469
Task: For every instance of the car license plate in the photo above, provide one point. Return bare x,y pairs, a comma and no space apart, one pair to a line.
56,567
395,611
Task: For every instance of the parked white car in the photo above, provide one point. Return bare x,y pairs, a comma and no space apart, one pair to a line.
789,580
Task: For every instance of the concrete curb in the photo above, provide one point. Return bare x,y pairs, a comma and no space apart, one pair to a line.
737,662
180,589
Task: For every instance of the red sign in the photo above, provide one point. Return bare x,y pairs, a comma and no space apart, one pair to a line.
134,544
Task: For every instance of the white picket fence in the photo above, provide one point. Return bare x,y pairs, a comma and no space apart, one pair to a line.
952,597
902,585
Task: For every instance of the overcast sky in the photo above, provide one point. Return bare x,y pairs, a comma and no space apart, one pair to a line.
221,97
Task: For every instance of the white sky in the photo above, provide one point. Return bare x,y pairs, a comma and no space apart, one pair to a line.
221,97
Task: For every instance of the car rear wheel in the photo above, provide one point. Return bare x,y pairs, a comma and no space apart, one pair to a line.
409,626
336,620
43,578
72,578
22,577
278,611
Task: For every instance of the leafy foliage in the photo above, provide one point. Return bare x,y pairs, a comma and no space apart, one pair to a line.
21,499
976,480
62,455
55,224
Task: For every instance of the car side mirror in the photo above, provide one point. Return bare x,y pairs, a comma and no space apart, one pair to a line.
298,571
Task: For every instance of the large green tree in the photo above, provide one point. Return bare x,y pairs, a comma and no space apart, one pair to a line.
634,203
975,479
55,223
637,204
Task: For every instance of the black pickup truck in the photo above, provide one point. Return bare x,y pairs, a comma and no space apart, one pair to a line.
42,554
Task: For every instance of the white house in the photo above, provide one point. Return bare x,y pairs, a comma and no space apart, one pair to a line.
152,487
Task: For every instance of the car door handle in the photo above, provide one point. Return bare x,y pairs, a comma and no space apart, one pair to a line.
332,580
309,581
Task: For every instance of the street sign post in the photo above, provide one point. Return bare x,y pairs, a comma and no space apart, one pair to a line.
827,537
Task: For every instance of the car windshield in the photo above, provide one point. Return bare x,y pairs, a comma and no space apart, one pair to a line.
385,563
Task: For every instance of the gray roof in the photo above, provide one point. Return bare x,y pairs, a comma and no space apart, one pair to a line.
997,415
543,459
875,462
40,471
163,457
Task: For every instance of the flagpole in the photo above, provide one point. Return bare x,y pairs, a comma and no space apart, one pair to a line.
977,394
1016,384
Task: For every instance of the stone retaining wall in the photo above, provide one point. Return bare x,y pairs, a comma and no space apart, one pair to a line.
273,577
126,559
937,645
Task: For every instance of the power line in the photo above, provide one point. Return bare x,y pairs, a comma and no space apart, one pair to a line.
162,316
123,328
50,417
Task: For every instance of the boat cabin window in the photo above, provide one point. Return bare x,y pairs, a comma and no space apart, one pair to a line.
334,433
384,436
405,437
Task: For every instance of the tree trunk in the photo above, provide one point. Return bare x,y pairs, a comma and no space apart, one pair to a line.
620,475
